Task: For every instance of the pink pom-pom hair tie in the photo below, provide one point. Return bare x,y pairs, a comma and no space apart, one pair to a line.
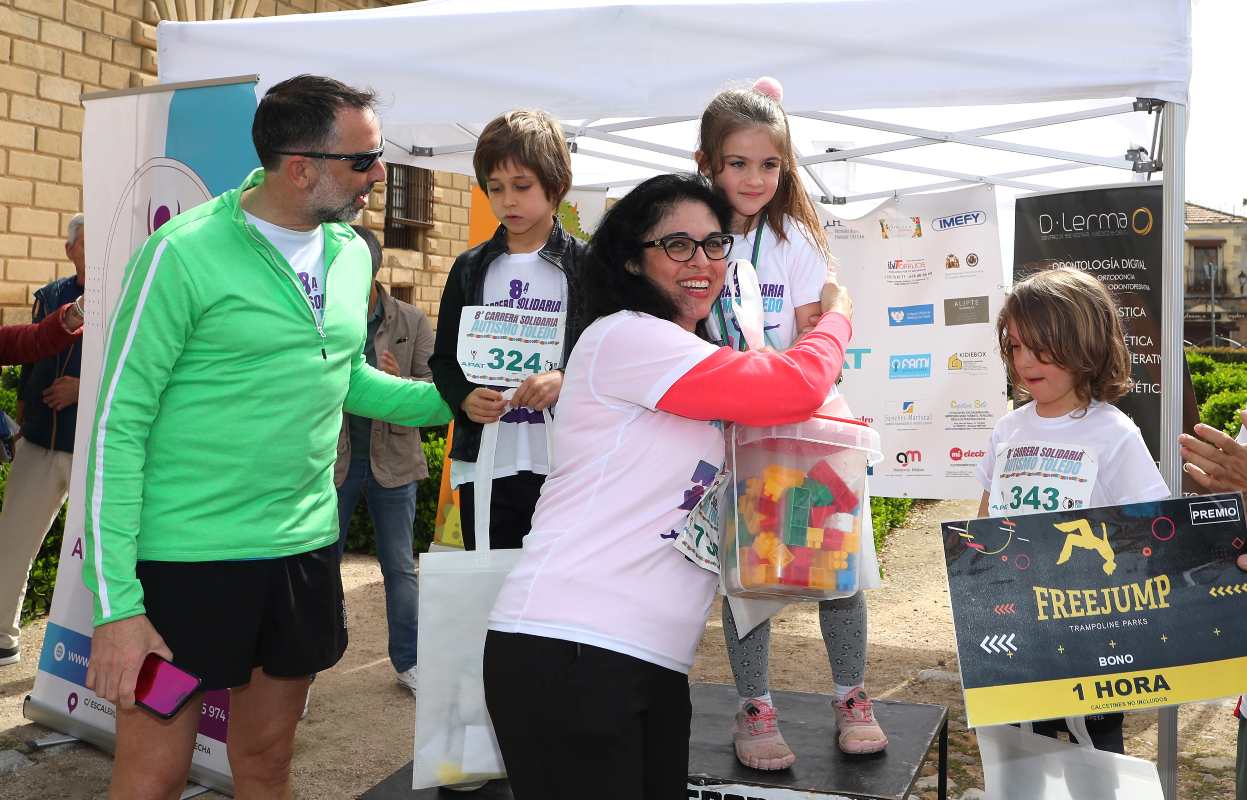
770,87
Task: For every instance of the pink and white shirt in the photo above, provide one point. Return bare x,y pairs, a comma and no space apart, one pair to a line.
636,447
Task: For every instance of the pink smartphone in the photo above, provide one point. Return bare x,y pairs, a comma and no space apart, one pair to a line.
163,688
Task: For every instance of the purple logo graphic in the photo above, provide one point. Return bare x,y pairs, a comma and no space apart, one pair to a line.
521,414
72,701
703,476
160,216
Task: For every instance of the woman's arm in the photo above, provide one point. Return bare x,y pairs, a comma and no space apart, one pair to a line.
761,387
25,344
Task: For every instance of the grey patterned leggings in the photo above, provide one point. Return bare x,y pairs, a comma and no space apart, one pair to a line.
843,622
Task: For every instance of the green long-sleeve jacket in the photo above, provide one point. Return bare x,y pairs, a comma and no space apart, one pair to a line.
220,401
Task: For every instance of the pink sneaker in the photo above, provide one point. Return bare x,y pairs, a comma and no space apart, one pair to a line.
855,721
759,744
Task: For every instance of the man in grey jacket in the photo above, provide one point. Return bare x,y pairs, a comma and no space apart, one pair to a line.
384,463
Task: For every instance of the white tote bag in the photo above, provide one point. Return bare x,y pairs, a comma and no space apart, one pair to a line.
455,740
1019,764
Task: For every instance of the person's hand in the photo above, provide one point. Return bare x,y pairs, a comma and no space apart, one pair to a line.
1214,460
539,392
117,653
388,364
484,405
835,298
1242,563
806,322
62,394
73,317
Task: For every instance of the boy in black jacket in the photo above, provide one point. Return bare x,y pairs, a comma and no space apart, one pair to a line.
522,164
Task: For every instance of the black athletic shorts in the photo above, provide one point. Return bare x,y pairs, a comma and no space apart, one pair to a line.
221,619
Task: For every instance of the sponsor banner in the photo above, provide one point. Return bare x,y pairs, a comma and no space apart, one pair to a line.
1096,610
922,368
923,314
967,310
146,158
1114,234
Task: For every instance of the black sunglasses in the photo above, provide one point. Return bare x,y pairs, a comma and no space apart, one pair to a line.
680,247
360,162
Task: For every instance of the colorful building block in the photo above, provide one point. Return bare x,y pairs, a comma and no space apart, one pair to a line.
833,539
846,500
822,578
776,479
814,538
796,515
820,495
765,546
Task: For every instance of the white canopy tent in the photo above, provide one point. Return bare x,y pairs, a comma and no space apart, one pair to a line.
630,77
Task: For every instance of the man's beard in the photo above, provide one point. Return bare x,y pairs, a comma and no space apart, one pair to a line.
325,204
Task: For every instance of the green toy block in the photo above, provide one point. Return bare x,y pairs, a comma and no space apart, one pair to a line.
796,516
820,495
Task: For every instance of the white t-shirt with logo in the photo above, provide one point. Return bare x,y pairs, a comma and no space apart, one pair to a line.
1036,464
304,251
791,274
528,282
598,567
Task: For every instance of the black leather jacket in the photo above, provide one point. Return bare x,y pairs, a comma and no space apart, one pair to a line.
465,287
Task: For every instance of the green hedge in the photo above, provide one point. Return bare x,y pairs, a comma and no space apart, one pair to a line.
1221,410
887,514
1222,355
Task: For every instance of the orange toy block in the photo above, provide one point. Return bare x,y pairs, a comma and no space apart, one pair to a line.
783,556
765,545
822,578
753,575
777,479
814,538
852,543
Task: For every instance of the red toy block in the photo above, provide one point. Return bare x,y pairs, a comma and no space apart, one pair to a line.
796,575
846,500
833,540
820,515
802,555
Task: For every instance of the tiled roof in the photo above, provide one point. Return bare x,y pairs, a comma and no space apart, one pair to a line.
1202,215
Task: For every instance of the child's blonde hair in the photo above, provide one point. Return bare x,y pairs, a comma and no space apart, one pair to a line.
1068,318
736,109
529,138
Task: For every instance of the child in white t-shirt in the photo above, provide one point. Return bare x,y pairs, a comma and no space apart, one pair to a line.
522,164
1062,345
746,150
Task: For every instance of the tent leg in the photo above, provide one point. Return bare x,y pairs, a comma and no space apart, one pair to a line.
1173,162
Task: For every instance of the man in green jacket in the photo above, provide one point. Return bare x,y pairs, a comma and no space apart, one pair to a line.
210,510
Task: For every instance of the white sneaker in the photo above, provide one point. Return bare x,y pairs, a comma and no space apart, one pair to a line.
407,678
10,655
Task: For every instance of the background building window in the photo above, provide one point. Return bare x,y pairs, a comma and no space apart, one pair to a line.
403,293
408,205
1203,258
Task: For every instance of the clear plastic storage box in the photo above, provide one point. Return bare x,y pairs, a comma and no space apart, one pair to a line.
794,528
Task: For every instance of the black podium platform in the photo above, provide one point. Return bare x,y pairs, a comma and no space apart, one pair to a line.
808,726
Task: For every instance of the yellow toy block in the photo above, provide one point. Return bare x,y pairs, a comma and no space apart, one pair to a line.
777,479
753,575
765,545
831,559
783,557
814,538
852,543
821,578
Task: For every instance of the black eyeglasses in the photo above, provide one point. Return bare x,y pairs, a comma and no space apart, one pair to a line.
360,162
679,247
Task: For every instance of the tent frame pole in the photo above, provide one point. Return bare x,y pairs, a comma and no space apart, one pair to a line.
1173,162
